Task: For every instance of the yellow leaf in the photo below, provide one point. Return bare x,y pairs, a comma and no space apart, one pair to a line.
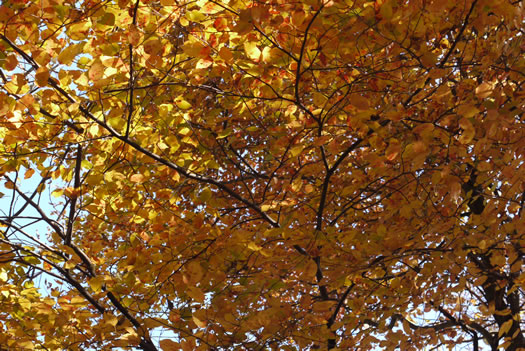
268,54
25,345
73,107
224,133
198,322
185,131
297,184
67,55
78,300
203,63
163,146
505,327
182,104
211,8
175,176
78,31
253,246
57,193
252,50
94,130
110,319
195,16
296,150
96,283
3,276
116,122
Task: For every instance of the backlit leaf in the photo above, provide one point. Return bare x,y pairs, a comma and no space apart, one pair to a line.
252,50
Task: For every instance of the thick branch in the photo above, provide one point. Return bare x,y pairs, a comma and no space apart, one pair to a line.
300,59
131,73
74,197
460,34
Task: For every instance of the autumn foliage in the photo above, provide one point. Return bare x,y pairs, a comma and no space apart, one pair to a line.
262,175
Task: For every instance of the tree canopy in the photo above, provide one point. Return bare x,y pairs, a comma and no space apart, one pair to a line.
262,175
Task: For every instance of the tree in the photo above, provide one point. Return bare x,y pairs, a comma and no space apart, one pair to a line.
262,175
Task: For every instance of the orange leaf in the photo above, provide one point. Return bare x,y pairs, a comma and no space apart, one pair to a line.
393,151
225,54
11,62
42,76
96,71
360,102
134,35
29,173
169,345
137,178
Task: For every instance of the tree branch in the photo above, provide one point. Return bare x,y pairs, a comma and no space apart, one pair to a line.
74,197
460,34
